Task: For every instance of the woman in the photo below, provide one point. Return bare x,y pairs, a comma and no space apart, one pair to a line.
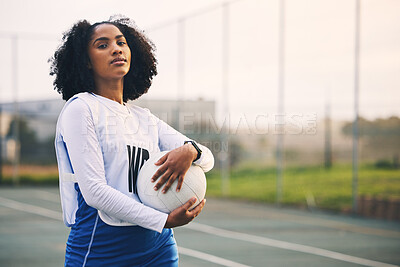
101,144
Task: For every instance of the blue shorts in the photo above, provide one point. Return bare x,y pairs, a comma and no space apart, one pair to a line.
94,243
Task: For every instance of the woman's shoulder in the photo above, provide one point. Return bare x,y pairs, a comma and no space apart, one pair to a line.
139,110
143,114
77,105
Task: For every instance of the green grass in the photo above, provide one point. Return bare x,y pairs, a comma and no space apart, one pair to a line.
32,179
330,189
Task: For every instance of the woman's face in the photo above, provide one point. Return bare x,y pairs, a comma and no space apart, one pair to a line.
109,53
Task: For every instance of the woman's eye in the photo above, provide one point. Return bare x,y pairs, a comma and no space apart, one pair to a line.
121,43
102,46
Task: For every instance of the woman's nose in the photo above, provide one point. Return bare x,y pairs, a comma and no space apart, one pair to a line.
117,50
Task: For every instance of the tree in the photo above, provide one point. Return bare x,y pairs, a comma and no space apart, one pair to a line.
27,137
381,137
31,149
380,127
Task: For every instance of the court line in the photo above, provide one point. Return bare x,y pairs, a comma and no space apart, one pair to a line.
338,225
208,257
284,245
53,197
44,195
9,203
320,222
220,232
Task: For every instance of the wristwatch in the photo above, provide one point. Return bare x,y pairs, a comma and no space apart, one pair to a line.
196,147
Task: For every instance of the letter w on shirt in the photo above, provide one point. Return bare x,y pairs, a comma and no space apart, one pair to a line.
137,156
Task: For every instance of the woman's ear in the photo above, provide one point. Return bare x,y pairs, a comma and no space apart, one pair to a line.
89,65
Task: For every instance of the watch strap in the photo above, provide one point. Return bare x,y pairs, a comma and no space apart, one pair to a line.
196,147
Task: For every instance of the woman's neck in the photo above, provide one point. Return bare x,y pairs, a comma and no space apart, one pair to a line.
111,89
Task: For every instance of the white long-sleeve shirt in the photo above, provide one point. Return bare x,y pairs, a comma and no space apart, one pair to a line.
101,145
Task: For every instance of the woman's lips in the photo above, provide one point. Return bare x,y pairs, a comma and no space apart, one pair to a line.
118,61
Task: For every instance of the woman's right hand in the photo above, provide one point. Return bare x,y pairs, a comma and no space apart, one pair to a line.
182,215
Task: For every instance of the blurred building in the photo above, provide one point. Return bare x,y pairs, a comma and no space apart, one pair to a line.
5,121
41,116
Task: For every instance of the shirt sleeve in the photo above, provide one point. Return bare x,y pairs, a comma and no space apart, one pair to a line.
169,139
79,135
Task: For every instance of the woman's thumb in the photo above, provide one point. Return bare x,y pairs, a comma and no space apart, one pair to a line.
190,203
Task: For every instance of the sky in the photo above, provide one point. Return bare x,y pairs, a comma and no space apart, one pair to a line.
318,59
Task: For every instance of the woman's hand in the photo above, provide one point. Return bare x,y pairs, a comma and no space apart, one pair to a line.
174,165
182,215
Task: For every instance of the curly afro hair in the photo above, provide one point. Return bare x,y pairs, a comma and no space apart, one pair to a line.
70,62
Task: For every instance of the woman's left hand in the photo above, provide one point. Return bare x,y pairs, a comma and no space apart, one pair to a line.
174,165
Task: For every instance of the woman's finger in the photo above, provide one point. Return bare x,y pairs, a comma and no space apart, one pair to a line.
194,212
163,179
169,183
158,173
189,203
162,159
180,183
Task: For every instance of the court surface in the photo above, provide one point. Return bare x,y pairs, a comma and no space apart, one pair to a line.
227,233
